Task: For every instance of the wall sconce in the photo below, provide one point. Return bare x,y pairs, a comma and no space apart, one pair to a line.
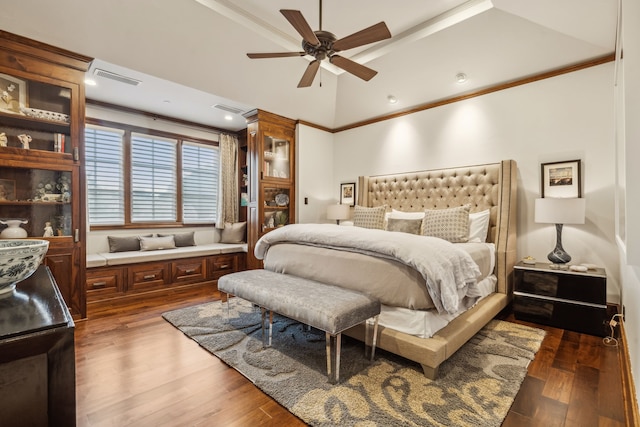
559,211
338,212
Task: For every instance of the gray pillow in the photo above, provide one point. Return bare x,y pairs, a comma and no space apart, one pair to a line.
156,243
233,233
182,239
369,217
450,224
124,243
411,226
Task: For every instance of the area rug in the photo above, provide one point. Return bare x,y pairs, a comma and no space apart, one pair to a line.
476,386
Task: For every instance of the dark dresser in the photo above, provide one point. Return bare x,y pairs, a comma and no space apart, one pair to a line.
37,356
562,298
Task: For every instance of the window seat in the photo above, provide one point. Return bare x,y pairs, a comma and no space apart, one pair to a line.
132,257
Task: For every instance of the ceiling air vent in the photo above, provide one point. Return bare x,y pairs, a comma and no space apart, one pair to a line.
116,77
228,109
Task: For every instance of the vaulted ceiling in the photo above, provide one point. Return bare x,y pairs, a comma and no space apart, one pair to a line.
191,54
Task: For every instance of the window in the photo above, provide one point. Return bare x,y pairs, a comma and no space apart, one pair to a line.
105,175
153,179
166,180
199,177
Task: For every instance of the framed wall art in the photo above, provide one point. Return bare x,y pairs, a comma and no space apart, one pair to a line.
348,194
561,179
13,94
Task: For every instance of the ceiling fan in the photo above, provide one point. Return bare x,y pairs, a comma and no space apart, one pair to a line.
323,44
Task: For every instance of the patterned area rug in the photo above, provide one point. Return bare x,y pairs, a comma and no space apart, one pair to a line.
476,386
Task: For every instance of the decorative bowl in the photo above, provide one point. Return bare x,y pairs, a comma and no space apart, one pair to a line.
19,259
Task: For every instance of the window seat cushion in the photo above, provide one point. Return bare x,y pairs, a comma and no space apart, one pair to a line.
132,257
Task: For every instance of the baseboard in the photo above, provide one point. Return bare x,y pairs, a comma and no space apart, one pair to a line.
628,387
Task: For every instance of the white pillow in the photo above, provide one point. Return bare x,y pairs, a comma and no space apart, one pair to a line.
479,226
406,215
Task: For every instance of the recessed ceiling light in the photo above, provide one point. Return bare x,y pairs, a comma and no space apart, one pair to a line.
392,99
461,78
228,117
89,82
167,101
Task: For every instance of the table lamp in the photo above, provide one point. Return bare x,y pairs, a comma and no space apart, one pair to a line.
338,212
559,211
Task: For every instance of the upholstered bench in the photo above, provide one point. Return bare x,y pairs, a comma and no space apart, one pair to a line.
325,307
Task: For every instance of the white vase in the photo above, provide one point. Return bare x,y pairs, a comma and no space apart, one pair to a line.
13,230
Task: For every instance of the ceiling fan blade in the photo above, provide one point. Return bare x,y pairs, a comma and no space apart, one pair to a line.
301,25
309,74
353,67
274,55
372,34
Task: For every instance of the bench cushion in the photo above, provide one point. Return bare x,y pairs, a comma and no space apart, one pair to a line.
132,257
96,260
325,307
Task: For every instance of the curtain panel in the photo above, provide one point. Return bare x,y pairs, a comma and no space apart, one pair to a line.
228,178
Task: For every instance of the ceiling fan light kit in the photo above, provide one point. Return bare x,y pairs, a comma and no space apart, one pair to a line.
323,44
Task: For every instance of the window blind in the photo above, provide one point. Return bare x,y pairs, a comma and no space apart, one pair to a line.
105,175
200,167
153,179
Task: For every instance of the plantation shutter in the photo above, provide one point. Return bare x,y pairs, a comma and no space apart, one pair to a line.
105,175
199,183
153,179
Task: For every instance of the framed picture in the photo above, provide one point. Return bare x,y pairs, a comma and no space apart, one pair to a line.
7,189
348,194
561,179
13,94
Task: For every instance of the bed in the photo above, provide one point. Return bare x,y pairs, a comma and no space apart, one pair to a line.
426,324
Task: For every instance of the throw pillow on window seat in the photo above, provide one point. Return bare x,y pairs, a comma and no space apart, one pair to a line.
233,232
157,243
181,239
125,243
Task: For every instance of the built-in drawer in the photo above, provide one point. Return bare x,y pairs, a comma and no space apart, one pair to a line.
189,270
104,282
220,265
148,276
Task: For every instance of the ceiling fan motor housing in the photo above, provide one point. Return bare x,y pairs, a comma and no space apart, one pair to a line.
324,49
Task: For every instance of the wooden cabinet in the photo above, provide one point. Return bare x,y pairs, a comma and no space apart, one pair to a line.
37,362
41,156
271,176
562,298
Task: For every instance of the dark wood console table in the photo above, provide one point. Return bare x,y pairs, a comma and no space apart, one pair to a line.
37,356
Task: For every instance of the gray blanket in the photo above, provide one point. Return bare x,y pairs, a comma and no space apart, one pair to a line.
445,268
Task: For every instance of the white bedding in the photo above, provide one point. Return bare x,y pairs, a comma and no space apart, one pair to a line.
448,270
425,323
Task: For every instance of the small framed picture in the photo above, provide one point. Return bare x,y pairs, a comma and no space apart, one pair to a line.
348,194
7,189
13,94
561,179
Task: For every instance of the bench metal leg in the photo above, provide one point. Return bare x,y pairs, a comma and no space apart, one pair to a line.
333,356
370,338
266,341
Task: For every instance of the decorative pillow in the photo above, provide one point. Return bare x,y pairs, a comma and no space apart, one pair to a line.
450,224
479,226
369,217
124,243
156,243
182,239
411,226
233,233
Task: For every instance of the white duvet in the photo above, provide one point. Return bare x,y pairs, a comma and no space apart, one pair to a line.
447,270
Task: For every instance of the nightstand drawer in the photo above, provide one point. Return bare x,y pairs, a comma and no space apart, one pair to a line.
589,289
588,319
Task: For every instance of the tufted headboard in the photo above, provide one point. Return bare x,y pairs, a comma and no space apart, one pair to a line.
491,186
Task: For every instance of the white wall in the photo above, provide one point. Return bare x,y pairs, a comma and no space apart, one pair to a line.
563,118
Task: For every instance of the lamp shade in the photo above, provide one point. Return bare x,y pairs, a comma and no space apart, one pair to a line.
338,212
560,210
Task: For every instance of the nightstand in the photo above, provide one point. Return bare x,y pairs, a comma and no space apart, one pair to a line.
562,298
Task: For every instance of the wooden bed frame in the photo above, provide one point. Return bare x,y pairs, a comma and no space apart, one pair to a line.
489,186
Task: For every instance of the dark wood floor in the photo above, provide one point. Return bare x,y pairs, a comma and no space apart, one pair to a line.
135,369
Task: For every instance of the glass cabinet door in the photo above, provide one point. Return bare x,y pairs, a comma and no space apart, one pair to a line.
35,203
276,158
276,209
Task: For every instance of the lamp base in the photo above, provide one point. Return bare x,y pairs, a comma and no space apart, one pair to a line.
558,255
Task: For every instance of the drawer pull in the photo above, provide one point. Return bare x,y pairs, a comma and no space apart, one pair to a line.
149,277
223,266
190,271
99,285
